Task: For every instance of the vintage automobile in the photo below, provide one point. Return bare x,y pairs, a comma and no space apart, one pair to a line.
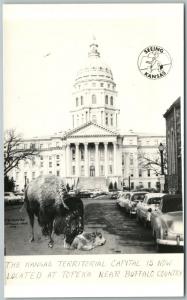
123,199
10,198
149,204
167,222
134,199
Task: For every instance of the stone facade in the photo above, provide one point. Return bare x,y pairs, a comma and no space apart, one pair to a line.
94,148
173,141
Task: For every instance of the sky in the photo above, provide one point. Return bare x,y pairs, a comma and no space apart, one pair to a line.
45,46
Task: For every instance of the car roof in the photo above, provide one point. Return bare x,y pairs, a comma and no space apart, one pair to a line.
154,195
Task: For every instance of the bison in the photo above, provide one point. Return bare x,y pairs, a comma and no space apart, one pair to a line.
46,198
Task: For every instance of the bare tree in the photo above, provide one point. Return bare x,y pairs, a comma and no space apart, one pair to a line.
13,152
153,162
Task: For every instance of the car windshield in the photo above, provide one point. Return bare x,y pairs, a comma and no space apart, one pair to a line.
138,197
174,204
155,200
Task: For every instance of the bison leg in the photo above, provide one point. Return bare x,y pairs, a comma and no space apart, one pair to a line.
31,219
51,233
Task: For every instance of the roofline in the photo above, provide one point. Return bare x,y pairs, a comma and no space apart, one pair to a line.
176,103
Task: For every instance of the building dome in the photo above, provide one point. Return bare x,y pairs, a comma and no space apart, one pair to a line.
94,68
94,93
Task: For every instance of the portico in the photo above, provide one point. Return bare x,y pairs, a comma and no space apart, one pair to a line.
91,159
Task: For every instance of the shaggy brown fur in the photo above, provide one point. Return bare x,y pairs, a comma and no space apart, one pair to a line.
47,199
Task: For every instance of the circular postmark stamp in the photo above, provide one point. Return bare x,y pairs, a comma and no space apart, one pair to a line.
154,62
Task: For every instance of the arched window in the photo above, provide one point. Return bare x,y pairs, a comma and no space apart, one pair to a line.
77,101
111,100
106,99
82,100
93,99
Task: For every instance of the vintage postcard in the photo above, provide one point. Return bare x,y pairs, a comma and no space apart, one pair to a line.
93,150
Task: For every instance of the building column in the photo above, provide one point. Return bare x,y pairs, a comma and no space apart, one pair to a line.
86,159
96,159
114,157
106,158
67,160
77,160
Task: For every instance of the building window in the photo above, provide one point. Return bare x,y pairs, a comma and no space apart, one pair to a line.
148,172
77,120
58,173
33,161
106,99
41,146
58,163
141,184
94,119
73,170
149,185
77,101
108,85
101,154
101,170
131,159
57,156
131,172
41,157
132,185
73,154
33,175
82,100
110,154
123,159
110,169
82,170
111,100
50,172
93,99
41,164
82,153
50,157
101,84
50,164
92,154
140,172
25,146
106,119
111,120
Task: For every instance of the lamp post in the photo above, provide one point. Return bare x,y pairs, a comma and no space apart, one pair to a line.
129,183
161,149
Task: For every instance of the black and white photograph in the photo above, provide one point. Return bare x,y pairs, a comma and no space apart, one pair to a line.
93,135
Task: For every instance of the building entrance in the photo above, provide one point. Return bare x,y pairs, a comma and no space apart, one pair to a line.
92,171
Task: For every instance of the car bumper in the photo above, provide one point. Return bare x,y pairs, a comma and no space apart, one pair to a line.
176,242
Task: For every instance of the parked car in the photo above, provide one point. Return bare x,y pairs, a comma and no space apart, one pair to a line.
149,204
124,199
134,199
114,195
11,198
167,222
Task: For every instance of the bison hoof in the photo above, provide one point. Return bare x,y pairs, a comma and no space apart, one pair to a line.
50,244
31,239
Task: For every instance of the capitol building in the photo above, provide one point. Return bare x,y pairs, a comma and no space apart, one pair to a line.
94,153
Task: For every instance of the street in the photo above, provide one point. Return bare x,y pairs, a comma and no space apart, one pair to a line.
122,233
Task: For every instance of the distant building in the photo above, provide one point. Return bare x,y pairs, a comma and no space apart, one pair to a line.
173,142
94,153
